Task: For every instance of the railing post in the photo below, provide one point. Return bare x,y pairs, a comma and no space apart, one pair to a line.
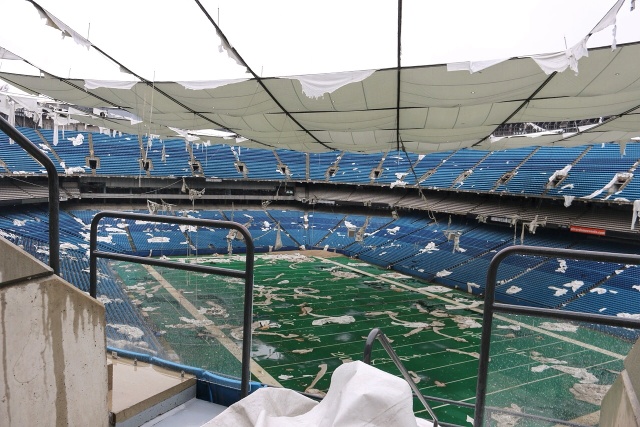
54,190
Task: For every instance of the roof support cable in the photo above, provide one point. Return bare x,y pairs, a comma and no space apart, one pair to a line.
520,107
148,83
399,53
258,78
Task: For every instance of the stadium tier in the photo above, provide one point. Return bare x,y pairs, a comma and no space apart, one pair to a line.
452,252
585,172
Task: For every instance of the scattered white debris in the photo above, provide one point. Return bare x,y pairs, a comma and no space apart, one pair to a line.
431,247
559,291
341,320
285,377
512,327
582,374
130,331
539,368
196,323
106,300
158,240
471,285
538,357
559,327
74,169
507,420
443,273
562,268
19,222
474,304
472,353
629,315
574,285
513,290
68,245
394,276
465,322
435,289
105,239
598,291
302,351
591,393
78,140
393,231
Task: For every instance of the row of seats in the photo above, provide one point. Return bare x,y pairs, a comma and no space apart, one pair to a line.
518,171
450,251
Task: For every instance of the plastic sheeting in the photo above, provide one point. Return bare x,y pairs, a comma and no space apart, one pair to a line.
359,395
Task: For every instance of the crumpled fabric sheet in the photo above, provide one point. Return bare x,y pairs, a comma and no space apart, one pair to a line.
54,22
109,84
473,66
568,200
359,395
560,61
316,85
608,20
209,84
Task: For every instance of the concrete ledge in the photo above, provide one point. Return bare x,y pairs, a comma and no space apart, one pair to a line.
16,265
142,391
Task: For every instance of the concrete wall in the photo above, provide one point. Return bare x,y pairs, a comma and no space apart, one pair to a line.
52,350
620,406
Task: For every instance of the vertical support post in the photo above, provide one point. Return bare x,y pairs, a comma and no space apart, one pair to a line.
54,190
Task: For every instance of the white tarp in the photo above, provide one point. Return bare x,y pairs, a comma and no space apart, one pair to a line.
359,395
316,85
110,84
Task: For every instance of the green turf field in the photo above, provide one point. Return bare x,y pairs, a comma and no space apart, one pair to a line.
312,314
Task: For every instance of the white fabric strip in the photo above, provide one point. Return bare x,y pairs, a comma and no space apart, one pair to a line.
316,85
54,22
473,66
109,84
6,54
209,84
608,19
560,61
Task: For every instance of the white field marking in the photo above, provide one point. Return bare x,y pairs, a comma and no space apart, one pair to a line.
497,371
519,385
496,316
226,342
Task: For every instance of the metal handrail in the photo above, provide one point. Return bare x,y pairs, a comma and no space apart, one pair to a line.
54,189
247,275
368,347
490,306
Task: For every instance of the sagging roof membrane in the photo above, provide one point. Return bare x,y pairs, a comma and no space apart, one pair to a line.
421,109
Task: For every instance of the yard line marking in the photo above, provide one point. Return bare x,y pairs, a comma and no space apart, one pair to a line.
259,372
523,384
480,311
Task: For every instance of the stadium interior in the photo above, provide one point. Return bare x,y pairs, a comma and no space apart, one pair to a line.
400,185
